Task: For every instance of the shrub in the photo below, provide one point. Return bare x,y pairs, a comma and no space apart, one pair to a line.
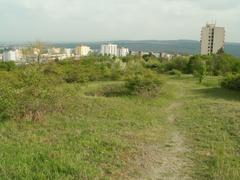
75,76
53,74
200,72
175,72
33,103
118,67
222,64
50,69
155,65
194,64
7,66
32,96
179,63
113,90
143,85
7,103
231,82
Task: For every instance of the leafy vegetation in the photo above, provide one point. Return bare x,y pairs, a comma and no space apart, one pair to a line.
232,82
90,118
7,66
210,118
147,86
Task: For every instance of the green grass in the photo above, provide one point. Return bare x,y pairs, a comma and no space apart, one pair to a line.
92,137
97,137
211,120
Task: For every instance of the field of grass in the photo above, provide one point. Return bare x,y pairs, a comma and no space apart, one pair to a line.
99,137
211,120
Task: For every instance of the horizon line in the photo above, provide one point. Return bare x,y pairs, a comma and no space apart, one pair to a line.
101,41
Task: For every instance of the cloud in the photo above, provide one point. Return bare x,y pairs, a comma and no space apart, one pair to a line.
110,19
212,4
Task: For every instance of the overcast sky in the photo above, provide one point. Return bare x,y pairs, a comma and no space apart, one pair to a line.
95,20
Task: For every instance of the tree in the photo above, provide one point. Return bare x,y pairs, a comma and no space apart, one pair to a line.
193,64
201,71
220,51
39,49
7,66
149,56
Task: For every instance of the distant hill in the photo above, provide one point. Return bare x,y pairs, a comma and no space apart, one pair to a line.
173,46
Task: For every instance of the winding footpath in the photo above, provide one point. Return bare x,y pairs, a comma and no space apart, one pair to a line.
167,160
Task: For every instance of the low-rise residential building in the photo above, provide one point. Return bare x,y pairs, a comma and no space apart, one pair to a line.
156,54
57,57
166,55
1,57
54,50
36,51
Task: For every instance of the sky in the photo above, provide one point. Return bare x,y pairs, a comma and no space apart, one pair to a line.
103,20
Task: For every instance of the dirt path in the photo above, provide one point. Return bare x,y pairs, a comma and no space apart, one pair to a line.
166,160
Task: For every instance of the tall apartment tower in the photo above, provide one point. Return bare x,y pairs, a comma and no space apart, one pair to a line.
109,49
123,52
212,39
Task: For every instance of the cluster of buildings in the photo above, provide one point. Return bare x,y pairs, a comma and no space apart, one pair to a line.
33,54
212,40
13,55
114,50
65,53
53,53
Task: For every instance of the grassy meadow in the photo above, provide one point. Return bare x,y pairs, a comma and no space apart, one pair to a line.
99,136
102,121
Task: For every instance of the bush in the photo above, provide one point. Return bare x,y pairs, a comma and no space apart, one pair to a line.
175,72
143,85
75,76
231,82
33,103
155,65
7,66
29,97
113,90
178,63
217,64
200,72
222,64
8,103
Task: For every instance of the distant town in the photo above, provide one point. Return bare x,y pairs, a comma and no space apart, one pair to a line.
212,40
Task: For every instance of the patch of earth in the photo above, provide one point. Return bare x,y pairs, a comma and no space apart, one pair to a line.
168,160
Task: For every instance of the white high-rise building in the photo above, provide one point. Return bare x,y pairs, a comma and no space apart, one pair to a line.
212,39
123,52
82,51
109,49
12,55
68,52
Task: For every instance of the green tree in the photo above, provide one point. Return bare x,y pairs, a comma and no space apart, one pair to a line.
7,66
201,71
221,51
193,64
